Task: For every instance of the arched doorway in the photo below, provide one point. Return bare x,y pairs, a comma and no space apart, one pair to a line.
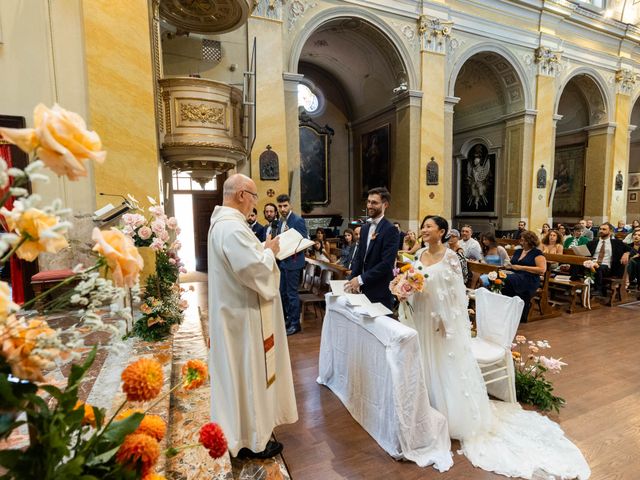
633,184
582,149
488,126
356,71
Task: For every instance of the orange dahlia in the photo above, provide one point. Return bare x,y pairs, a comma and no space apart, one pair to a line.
154,476
139,451
89,415
212,438
194,373
151,425
142,380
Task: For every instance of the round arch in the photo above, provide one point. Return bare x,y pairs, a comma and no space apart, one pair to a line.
466,146
500,50
325,16
599,82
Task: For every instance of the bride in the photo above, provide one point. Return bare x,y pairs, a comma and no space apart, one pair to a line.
495,436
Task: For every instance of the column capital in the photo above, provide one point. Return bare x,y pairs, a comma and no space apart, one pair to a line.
556,119
548,61
450,103
434,34
603,128
291,81
408,98
625,81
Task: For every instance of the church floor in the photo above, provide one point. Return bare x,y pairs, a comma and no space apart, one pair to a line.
600,385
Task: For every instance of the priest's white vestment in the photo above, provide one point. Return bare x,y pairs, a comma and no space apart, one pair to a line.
244,283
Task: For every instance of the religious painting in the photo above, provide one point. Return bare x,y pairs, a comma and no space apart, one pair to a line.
476,192
375,159
634,181
568,200
633,197
315,184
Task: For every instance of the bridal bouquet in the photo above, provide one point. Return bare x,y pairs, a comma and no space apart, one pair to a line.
407,281
531,385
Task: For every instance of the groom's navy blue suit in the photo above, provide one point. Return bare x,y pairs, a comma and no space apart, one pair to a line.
290,270
375,264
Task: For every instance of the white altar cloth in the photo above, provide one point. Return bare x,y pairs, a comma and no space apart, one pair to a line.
373,365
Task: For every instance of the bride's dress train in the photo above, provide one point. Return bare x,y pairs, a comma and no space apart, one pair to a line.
495,436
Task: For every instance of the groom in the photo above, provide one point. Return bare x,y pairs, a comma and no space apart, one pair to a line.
372,267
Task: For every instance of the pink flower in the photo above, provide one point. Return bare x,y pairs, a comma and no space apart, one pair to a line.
554,365
183,270
172,261
172,223
145,233
158,226
178,230
164,236
157,244
156,211
183,304
134,220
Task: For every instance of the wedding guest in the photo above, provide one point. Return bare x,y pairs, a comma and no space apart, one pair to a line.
253,223
576,239
629,238
348,245
586,232
634,261
356,242
410,243
321,236
402,235
562,230
522,226
270,213
470,245
552,242
492,253
610,254
545,229
527,264
622,227
454,244
318,251
592,227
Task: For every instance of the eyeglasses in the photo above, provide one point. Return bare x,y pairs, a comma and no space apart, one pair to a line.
255,195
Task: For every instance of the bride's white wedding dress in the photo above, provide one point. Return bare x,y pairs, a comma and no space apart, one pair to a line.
495,436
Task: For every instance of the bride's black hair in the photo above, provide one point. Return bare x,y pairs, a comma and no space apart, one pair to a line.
441,223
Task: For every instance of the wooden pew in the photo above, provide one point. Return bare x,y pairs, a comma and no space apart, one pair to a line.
575,287
510,242
477,269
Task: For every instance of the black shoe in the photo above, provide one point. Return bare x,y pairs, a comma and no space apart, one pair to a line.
293,330
272,449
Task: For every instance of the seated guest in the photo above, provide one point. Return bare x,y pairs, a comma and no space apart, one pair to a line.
634,261
610,254
318,252
454,244
522,227
629,238
576,238
402,235
622,227
527,264
552,243
410,243
591,226
492,253
348,245
545,229
321,236
562,230
586,232
469,244
255,226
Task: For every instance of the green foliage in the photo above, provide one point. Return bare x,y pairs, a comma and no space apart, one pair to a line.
536,390
61,447
160,307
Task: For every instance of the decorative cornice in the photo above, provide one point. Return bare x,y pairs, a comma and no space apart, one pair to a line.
221,146
408,98
625,81
450,103
197,112
548,61
434,33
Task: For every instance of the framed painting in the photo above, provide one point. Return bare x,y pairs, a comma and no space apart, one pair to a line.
633,197
315,141
476,189
375,157
634,180
569,175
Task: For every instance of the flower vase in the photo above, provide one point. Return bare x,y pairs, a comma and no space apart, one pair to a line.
149,257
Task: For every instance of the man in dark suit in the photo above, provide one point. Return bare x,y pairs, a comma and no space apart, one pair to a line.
611,255
255,226
372,267
270,213
291,267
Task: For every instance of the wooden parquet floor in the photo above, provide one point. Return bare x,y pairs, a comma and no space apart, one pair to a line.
601,385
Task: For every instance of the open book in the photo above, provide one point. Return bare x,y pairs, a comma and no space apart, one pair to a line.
581,250
292,242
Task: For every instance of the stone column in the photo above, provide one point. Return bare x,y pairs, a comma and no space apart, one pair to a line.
447,176
617,207
539,211
598,164
434,199
291,81
404,175
272,124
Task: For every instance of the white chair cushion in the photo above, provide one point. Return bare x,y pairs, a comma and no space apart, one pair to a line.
486,352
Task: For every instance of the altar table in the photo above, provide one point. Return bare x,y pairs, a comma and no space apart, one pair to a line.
373,365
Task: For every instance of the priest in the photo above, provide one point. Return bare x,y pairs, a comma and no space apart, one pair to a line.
251,381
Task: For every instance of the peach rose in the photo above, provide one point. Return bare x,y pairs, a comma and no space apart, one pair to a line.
60,139
37,227
121,254
7,307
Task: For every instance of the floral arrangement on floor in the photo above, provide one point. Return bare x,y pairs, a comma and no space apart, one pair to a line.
161,305
531,385
65,441
590,267
496,280
408,280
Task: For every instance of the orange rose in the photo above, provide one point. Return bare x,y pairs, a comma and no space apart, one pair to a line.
497,281
19,340
38,229
121,254
60,139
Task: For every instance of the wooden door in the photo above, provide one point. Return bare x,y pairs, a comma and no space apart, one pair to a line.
203,205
